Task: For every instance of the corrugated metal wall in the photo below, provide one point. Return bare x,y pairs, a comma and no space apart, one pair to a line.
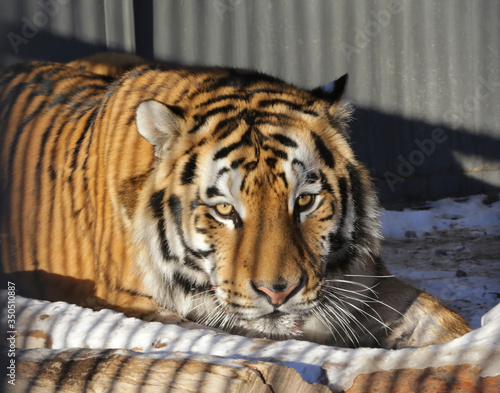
425,75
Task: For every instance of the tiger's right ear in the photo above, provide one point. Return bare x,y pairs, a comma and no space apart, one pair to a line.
332,92
158,123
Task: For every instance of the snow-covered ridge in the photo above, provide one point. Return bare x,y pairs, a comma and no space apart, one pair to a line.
60,325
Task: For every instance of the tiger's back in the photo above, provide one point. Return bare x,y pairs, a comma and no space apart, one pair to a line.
227,196
43,118
49,194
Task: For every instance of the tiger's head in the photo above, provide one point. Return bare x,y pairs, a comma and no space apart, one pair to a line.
256,208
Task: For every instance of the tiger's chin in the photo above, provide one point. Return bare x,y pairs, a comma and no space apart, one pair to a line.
280,326
274,326
284,326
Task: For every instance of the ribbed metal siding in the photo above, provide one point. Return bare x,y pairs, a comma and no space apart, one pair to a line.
61,30
415,67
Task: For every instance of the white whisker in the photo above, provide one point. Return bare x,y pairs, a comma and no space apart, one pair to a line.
208,294
323,318
213,316
200,294
369,276
379,319
354,283
195,307
352,317
367,298
352,339
370,289
363,301
318,314
341,317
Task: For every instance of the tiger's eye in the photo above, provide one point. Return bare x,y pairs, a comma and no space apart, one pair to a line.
304,200
224,209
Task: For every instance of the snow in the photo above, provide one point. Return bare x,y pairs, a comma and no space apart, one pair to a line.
471,213
414,236
72,326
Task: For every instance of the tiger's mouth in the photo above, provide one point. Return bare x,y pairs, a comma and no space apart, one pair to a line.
274,325
276,314
260,319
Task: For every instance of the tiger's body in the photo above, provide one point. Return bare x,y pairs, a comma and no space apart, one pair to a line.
226,196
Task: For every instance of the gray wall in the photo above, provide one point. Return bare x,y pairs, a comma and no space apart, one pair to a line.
424,74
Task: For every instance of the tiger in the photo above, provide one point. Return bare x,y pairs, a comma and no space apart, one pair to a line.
111,64
219,196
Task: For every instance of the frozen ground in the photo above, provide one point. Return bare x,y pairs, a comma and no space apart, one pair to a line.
449,248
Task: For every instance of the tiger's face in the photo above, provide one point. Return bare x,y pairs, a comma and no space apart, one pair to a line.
264,210
257,209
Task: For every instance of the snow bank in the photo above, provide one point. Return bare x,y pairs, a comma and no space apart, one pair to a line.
60,325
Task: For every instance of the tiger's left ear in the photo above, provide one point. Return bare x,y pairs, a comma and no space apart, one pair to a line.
332,92
159,124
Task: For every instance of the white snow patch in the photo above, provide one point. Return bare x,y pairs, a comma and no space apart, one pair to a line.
444,214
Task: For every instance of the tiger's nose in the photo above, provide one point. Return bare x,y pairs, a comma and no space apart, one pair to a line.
278,294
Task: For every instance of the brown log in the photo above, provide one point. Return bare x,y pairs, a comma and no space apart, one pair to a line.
78,370
449,379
